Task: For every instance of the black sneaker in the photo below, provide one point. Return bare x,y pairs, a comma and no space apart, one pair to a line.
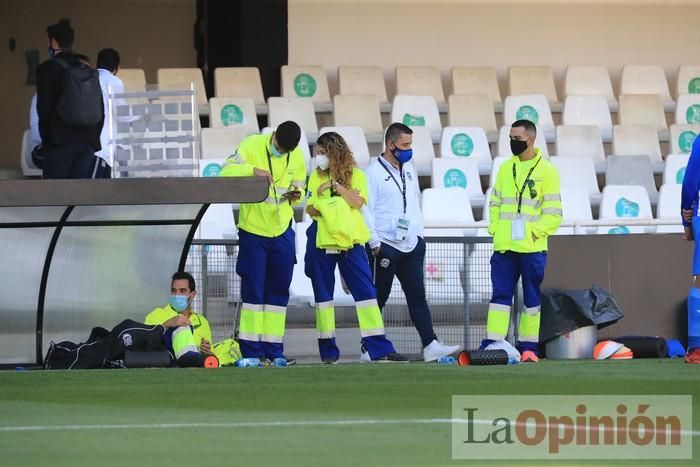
392,357
330,361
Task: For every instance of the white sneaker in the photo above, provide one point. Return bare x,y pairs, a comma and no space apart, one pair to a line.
436,349
365,358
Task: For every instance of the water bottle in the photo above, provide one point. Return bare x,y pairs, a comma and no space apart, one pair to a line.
248,362
279,362
446,360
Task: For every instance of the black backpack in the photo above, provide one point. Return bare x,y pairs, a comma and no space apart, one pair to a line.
80,104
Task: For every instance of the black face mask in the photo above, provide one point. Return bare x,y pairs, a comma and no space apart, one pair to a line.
518,147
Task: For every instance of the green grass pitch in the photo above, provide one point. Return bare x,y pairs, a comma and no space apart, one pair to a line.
303,415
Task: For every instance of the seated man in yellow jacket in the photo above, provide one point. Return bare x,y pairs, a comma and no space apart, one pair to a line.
187,331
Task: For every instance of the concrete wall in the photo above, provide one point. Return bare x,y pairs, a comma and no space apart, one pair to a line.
447,33
648,275
148,34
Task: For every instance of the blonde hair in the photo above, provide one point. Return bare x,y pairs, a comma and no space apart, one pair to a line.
340,157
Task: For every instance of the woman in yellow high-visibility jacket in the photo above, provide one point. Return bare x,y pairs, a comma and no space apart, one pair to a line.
337,190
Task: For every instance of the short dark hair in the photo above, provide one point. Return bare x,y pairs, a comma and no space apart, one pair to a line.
527,124
395,130
184,275
63,33
287,136
108,59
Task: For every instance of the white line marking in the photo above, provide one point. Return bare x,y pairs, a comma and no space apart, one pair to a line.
278,423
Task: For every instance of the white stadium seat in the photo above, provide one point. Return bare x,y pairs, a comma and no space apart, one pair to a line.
468,143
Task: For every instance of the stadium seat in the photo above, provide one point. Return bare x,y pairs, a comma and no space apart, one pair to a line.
577,207
355,138
438,205
533,107
632,170
219,143
476,80
504,142
579,173
297,109
458,173
179,76
688,81
363,80
469,143
359,110
133,78
674,169
645,79
682,138
28,167
419,81
624,202
688,109
669,208
418,111
588,110
497,162
581,141
303,144
642,109
306,82
423,151
527,80
218,222
472,111
635,140
589,81
233,112
239,82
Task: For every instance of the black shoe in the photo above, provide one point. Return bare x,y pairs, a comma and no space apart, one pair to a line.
392,357
330,361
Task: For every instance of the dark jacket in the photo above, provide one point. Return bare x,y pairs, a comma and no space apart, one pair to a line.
49,85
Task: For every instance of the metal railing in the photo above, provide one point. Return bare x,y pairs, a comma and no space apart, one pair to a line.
457,285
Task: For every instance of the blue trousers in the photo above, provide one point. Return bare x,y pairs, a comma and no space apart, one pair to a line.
354,268
408,268
506,268
265,266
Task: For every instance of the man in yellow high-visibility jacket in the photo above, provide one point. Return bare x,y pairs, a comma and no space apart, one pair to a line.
267,246
525,208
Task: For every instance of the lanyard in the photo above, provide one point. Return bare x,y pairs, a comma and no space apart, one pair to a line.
527,179
274,182
402,187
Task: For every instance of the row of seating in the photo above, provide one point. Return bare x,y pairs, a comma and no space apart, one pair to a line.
364,111
312,82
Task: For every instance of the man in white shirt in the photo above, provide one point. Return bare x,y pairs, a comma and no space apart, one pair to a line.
108,67
395,222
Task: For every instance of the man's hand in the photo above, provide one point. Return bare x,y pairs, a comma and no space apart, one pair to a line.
177,321
205,347
293,195
687,215
262,173
688,233
376,250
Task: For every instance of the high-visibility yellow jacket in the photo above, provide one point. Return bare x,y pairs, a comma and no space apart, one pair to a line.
541,207
271,217
200,325
340,226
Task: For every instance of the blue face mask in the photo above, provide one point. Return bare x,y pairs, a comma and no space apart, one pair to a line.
179,302
402,155
274,151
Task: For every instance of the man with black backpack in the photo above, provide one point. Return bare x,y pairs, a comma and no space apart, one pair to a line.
71,112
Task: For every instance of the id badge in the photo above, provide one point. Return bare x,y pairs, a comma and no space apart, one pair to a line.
518,228
402,225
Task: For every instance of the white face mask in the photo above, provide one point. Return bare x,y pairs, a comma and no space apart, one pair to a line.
322,161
